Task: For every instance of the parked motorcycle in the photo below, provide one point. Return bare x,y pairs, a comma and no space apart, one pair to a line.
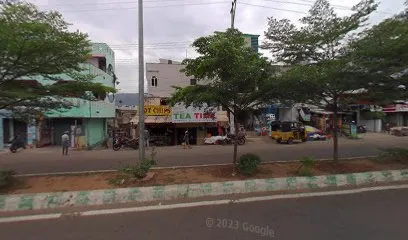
126,143
231,138
16,144
362,129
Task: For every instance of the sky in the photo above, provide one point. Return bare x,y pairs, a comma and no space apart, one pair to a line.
170,26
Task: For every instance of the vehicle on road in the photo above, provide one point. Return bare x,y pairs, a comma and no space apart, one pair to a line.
16,144
125,142
231,138
288,132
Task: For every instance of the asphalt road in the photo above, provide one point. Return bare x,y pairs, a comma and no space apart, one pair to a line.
372,215
50,160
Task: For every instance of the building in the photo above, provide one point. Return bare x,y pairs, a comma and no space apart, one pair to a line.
126,106
86,120
167,125
162,76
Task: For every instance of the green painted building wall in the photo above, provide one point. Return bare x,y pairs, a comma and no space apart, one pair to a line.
96,130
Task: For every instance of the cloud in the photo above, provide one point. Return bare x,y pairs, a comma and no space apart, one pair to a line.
169,31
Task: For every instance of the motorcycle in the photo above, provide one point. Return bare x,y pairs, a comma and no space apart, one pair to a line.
231,138
126,143
17,144
362,129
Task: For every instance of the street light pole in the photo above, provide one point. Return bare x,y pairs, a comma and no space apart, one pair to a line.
141,84
232,12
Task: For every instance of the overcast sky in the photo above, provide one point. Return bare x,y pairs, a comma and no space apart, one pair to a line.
170,26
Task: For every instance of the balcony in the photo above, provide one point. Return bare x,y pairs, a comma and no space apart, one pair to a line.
100,75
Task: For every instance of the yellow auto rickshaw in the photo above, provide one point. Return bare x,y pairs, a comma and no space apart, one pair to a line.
288,132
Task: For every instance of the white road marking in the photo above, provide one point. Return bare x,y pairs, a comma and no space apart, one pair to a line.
30,218
243,200
202,203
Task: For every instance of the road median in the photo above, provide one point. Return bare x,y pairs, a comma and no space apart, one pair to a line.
41,201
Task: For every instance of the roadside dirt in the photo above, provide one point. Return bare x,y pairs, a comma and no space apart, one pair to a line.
193,175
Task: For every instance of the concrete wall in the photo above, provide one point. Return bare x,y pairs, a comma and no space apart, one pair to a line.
95,131
168,75
373,125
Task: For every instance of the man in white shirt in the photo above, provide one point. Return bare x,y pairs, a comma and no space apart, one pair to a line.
65,143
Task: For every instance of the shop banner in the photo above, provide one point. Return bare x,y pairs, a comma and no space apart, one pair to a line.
157,110
192,115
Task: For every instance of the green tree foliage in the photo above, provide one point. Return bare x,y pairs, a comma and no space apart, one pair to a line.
321,73
381,51
229,74
35,43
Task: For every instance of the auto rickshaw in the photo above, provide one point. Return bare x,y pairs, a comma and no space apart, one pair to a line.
275,129
288,132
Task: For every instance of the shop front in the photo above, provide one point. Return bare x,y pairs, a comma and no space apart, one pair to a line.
200,122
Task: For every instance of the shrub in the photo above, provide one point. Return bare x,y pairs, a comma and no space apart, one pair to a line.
6,178
397,154
248,164
139,170
307,166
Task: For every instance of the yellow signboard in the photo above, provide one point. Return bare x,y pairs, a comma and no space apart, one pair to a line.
155,110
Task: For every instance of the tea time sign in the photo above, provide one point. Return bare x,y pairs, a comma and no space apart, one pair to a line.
192,115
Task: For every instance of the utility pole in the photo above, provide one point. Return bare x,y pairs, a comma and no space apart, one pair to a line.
141,84
232,12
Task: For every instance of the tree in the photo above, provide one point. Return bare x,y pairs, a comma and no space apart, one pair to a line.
381,51
35,43
229,74
321,74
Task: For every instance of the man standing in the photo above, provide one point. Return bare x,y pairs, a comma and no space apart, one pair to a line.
187,140
65,143
147,138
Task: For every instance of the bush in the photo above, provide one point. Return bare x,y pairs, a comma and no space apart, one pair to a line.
6,178
139,170
307,166
397,154
248,164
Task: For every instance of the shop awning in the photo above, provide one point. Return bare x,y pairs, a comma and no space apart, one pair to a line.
319,111
152,119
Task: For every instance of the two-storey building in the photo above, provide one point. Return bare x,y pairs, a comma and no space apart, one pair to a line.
85,120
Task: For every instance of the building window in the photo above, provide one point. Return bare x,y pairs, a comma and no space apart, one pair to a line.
163,102
193,81
154,81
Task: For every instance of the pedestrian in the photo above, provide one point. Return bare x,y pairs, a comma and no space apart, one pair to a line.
65,143
187,140
147,138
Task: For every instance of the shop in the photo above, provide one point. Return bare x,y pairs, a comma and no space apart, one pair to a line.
200,122
397,114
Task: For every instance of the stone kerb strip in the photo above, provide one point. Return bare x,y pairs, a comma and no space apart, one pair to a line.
159,193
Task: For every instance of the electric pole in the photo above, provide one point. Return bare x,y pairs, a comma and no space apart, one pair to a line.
232,12
141,84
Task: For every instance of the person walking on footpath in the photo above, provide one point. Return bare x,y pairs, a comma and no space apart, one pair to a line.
187,140
65,143
147,138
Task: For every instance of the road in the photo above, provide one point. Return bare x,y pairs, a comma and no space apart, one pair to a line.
50,160
376,215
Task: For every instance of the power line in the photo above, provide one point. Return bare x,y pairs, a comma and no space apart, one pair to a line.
109,3
279,9
308,3
134,8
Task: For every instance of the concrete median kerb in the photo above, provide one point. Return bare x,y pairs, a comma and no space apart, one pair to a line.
183,191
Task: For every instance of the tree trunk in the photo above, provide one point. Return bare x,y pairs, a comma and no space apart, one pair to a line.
235,156
335,131
236,138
